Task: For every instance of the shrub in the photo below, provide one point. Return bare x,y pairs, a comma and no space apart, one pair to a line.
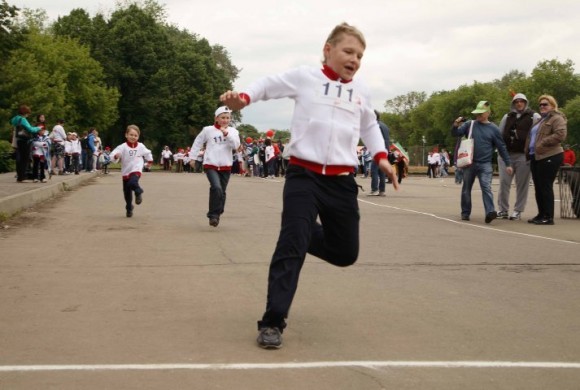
7,163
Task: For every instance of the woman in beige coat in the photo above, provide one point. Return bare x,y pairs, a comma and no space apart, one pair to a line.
544,149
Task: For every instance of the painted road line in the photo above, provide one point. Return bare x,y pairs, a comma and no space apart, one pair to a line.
293,366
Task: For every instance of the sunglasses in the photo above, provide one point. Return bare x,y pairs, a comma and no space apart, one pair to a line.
544,104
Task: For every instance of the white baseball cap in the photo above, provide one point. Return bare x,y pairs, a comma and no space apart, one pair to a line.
222,110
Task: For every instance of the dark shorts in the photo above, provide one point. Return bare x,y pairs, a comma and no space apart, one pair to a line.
57,149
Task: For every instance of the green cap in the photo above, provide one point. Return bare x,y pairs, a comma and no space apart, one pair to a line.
482,106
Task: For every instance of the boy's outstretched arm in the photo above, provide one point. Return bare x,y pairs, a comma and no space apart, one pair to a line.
233,100
386,167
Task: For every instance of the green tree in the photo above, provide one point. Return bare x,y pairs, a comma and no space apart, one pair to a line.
404,104
572,111
398,114
281,135
57,77
169,79
77,24
248,131
7,163
554,78
10,34
34,20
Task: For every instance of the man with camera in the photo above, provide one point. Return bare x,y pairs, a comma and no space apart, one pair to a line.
486,138
514,127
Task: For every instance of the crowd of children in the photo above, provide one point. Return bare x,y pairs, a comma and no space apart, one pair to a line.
253,158
40,153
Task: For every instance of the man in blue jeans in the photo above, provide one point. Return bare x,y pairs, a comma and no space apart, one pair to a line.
486,138
378,178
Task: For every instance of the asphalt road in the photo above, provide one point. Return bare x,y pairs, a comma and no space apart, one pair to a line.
91,299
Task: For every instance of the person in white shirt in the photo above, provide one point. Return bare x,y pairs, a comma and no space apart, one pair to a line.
76,151
220,140
132,155
178,158
40,149
57,138
270,158
166,158
67,153
332,112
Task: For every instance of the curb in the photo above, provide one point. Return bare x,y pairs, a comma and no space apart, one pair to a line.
13,204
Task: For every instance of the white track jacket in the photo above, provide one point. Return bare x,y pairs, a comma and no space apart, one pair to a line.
131,156
329,118
218,149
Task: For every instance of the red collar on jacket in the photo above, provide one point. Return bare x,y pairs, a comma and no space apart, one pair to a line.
331,74
131,145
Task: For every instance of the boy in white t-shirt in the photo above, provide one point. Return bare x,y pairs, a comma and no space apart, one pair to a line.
132,154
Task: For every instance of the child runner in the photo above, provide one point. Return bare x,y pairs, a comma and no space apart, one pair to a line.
220,140
332,111
106,160
68,153
40,150
132,154
76,151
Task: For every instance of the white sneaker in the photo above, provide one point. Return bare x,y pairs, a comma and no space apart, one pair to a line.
516,215
373,193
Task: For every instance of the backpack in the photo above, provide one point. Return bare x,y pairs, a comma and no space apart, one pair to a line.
21,133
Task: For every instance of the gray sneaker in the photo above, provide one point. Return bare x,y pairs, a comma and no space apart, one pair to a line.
502,214
270,338
516,215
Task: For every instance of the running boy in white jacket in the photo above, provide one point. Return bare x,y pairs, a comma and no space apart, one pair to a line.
220,140
332,111
132,155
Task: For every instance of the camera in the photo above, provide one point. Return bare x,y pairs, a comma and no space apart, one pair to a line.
462,119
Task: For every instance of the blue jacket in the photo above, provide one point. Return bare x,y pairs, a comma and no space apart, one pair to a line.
486,138
386,136
91,142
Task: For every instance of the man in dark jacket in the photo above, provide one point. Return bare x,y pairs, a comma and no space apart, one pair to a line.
514,128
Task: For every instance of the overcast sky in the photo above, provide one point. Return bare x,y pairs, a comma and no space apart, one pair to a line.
412,45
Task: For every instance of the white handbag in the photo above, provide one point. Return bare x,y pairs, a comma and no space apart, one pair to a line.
465,150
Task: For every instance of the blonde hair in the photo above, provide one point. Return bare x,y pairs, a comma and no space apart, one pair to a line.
339,31
335,35
550,100
133,127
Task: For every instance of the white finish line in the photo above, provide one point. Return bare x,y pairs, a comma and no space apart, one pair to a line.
285,366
